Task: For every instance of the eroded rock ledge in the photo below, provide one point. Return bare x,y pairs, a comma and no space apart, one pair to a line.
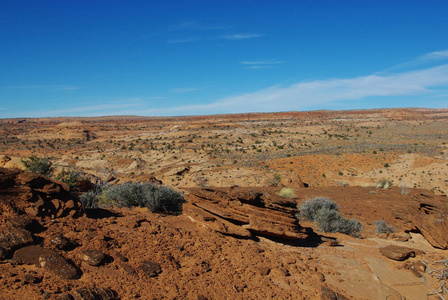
244,212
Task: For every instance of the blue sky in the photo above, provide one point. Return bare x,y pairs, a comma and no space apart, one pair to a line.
163,58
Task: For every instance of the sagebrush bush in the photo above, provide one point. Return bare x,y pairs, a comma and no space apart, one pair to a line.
89,199
72,177
384,184
309,208
324,212
42,166
287,192
382,227
156,198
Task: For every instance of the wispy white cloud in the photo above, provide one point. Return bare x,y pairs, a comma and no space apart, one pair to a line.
432,58
261,64
240,36
45,87
116,107
436,55
318,93
184,90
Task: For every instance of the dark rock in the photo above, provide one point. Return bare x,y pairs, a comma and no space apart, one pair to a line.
20,221
399,253
83,294
32,278
264,270
328,294
150,269
30,255
58,265
205,266
47,259
121,257
13,238
62,243
92,257
126,268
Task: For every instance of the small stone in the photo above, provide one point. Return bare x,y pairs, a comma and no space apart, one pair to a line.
61,242
126,268
150,269
264,270
92,257
32,279
205,266
121,257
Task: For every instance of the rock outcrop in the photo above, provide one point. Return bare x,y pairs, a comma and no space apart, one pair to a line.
244,212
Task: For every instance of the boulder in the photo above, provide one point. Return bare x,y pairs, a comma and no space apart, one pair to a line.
399,253
47,259
58,265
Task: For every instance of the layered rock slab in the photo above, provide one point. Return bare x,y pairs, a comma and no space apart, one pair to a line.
244,211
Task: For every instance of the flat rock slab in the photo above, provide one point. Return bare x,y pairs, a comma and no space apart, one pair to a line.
47,259
399,253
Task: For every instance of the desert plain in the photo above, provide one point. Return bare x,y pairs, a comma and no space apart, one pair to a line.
238,235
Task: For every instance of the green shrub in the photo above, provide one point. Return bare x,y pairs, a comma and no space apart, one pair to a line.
287,192
156,198
382,227
324,212
39,165
89,199
72,177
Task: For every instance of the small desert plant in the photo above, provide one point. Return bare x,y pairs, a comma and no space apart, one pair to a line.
40,165
89,199
287,192
72,177
383,184
156,198
309,208
382,227
324,212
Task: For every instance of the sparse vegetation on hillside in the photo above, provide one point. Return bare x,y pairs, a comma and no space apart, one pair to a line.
72,177
324,212
40,165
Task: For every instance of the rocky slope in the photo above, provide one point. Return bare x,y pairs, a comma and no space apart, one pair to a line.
241,243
